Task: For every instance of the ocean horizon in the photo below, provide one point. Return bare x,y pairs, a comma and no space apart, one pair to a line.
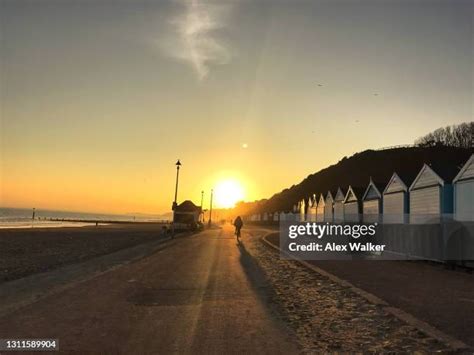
23,217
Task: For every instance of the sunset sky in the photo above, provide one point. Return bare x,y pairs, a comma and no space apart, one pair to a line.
99,98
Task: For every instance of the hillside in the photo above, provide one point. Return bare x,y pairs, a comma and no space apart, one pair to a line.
357,170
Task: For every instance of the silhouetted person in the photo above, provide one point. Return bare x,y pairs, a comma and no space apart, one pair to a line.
238,226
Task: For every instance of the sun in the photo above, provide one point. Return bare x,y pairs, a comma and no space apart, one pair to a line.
227,193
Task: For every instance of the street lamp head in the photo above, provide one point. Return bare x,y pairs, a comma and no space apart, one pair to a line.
178,163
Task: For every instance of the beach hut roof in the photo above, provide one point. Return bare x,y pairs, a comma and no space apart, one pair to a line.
321,200
355,191
463,170
444,172
396,178
187,206
340,194
376,186
330,195
406,174
427,168
447,171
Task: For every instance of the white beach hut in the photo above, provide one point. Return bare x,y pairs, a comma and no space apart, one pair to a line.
372,205
395,200
339,205
353,204
302,210
464,192
329,207
295,216
320,209
431,193
276,216
312,208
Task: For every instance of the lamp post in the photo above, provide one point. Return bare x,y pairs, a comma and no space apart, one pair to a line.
210,209
175,203
202,199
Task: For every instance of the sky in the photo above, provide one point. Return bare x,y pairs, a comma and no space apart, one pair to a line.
98,99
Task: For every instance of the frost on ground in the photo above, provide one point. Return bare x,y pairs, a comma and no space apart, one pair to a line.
326,316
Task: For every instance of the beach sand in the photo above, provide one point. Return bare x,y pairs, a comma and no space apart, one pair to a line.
28,251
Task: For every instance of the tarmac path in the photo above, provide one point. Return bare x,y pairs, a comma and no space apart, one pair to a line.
203,294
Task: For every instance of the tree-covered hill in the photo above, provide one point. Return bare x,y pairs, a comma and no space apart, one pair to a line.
359,168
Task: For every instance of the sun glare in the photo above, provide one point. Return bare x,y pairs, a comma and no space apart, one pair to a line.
227,193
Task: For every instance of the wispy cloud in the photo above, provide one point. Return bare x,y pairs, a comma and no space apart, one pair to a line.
196,39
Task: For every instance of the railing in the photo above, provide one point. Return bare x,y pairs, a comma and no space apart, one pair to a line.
397,146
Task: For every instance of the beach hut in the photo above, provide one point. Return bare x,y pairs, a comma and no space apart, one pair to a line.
353,204
320,209
302,210
372,202
464,192
312,208
395,199
295,213
329,207
339,205
396,204
431,193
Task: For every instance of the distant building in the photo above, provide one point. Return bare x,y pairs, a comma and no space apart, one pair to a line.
187,213
353,204
339,205
464,192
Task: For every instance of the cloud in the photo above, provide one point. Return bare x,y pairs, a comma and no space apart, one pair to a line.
195,37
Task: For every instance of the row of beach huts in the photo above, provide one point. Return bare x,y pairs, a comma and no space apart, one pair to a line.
424,196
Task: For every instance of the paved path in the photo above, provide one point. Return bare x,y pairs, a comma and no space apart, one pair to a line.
202,294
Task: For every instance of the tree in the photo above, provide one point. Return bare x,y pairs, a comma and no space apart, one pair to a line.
461,136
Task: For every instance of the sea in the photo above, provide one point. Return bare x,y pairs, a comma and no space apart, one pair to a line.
23,218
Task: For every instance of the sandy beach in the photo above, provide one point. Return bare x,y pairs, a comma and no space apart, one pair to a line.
28,251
